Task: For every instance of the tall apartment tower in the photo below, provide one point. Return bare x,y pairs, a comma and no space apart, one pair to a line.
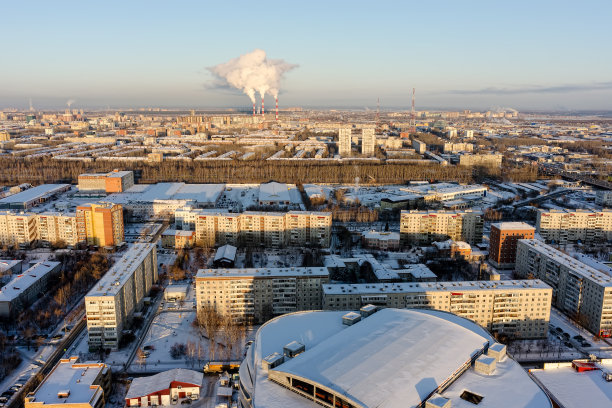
368,141
344,141
503,242
110,304
100,224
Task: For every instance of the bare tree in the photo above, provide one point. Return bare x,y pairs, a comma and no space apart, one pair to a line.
210,320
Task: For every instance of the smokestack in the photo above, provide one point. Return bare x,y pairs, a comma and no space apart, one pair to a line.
277,109
262,106
253,108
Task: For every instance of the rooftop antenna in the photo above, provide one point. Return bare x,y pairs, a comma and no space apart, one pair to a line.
412,116
377,112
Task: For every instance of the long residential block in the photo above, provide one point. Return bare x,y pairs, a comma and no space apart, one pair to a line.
425,227
519,309
570,226
109,305
253,228
25,288
256,295
580,291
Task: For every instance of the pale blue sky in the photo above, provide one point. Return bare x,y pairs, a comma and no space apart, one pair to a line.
473,54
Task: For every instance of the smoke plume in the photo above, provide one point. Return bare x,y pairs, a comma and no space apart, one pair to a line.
70,102
253,73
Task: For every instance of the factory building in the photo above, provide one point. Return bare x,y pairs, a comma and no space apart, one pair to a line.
98,183
109,305
256,295
580,291
519,309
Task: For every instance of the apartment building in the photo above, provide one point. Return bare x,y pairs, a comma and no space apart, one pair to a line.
520,309
72,384
424,227
344,141
252,228
503,240
100,224
493,160
569,226
368,141
109,305
17,228
457,147
604,198
256,295
54,228
114,182
418,146
26,288
579,290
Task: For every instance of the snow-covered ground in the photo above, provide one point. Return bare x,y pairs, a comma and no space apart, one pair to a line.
271,258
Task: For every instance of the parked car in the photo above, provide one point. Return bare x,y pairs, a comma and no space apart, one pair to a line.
174,400
3,399
186,401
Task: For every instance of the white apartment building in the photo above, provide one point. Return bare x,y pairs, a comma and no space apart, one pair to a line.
25,288
520,309
368,141
494,160
256,295
253,228
344,141
17,228
579,290
428,226
57,227
110,303
604,198
418,146
569,226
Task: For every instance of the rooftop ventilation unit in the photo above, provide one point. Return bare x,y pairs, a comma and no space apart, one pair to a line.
351,318
293,349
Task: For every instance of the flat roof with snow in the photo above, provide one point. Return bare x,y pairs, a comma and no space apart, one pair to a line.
33,194
72,379
571,389
24,281
273,191
512,226
261,272
122,270
401,287
393,358
201,194
561,258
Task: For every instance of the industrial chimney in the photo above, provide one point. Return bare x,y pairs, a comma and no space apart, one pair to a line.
277,109
262,106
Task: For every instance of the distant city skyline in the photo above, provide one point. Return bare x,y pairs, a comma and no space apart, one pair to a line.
528,55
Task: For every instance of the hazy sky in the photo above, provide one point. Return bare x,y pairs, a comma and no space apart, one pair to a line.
533,54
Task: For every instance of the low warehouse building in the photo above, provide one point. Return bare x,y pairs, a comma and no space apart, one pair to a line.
160,389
